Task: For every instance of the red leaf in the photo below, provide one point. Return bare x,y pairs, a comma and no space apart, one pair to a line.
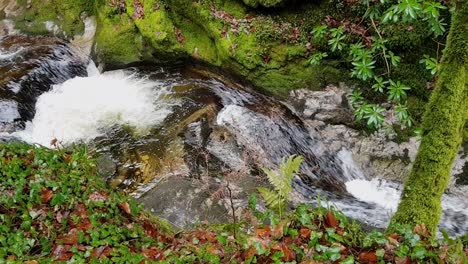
263,232
62,253
368,257
46,195
69,239
249,253
153,253
330,220
125,207
305,232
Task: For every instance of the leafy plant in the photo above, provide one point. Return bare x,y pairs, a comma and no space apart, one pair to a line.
430,64
397,91
317,58
282,184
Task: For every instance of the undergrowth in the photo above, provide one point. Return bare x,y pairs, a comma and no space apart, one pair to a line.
54,209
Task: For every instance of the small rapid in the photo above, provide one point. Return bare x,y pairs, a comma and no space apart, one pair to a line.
84,108
145,121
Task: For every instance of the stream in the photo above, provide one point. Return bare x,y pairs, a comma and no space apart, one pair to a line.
149,123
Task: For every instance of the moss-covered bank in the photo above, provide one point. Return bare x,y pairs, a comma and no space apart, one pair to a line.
225,34
268,47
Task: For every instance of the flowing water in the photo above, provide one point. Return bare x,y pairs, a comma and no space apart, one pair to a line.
148,122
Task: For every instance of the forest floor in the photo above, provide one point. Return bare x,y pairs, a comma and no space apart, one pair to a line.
54,208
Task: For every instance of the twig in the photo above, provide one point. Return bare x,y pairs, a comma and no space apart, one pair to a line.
233,210
383,50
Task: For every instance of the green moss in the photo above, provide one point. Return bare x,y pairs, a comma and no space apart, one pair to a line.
265,3
64,13
443,125
172,30
117,39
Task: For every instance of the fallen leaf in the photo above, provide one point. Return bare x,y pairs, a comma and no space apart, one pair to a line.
98,196
263,232
153,253
305,232
101,252
46,195
289,254
68,239
421,230
30,262
330,220
402,260
62,253
249,253
125,207
278,230
368,257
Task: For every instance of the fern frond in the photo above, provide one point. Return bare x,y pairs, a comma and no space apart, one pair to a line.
272,199
291,166
280,183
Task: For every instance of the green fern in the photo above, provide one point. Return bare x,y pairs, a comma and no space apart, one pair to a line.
282,184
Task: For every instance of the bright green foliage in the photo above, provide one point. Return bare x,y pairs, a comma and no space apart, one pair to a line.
317,58
372,114
282,183
443,125
397,91
430,64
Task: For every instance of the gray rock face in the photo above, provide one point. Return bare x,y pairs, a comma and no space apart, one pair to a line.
377,155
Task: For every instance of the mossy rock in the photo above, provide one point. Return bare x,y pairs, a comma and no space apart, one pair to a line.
265,3
65,14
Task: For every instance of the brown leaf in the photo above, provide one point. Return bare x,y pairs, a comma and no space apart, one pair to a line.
330,220
289,254
368,257
46,195
402,260
443,253
124,206
249,253
263,232
101,252
153,253
30,262
138,12
278,230
68,239
98,196
62,252
421,230
305,232
179,36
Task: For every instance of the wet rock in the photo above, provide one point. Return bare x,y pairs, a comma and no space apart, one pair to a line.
329,105
185,202
377,155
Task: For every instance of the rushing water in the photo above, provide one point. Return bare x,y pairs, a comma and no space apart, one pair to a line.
146,119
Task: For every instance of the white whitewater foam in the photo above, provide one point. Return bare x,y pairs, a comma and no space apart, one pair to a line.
8,111
375,191
82,108
6,56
